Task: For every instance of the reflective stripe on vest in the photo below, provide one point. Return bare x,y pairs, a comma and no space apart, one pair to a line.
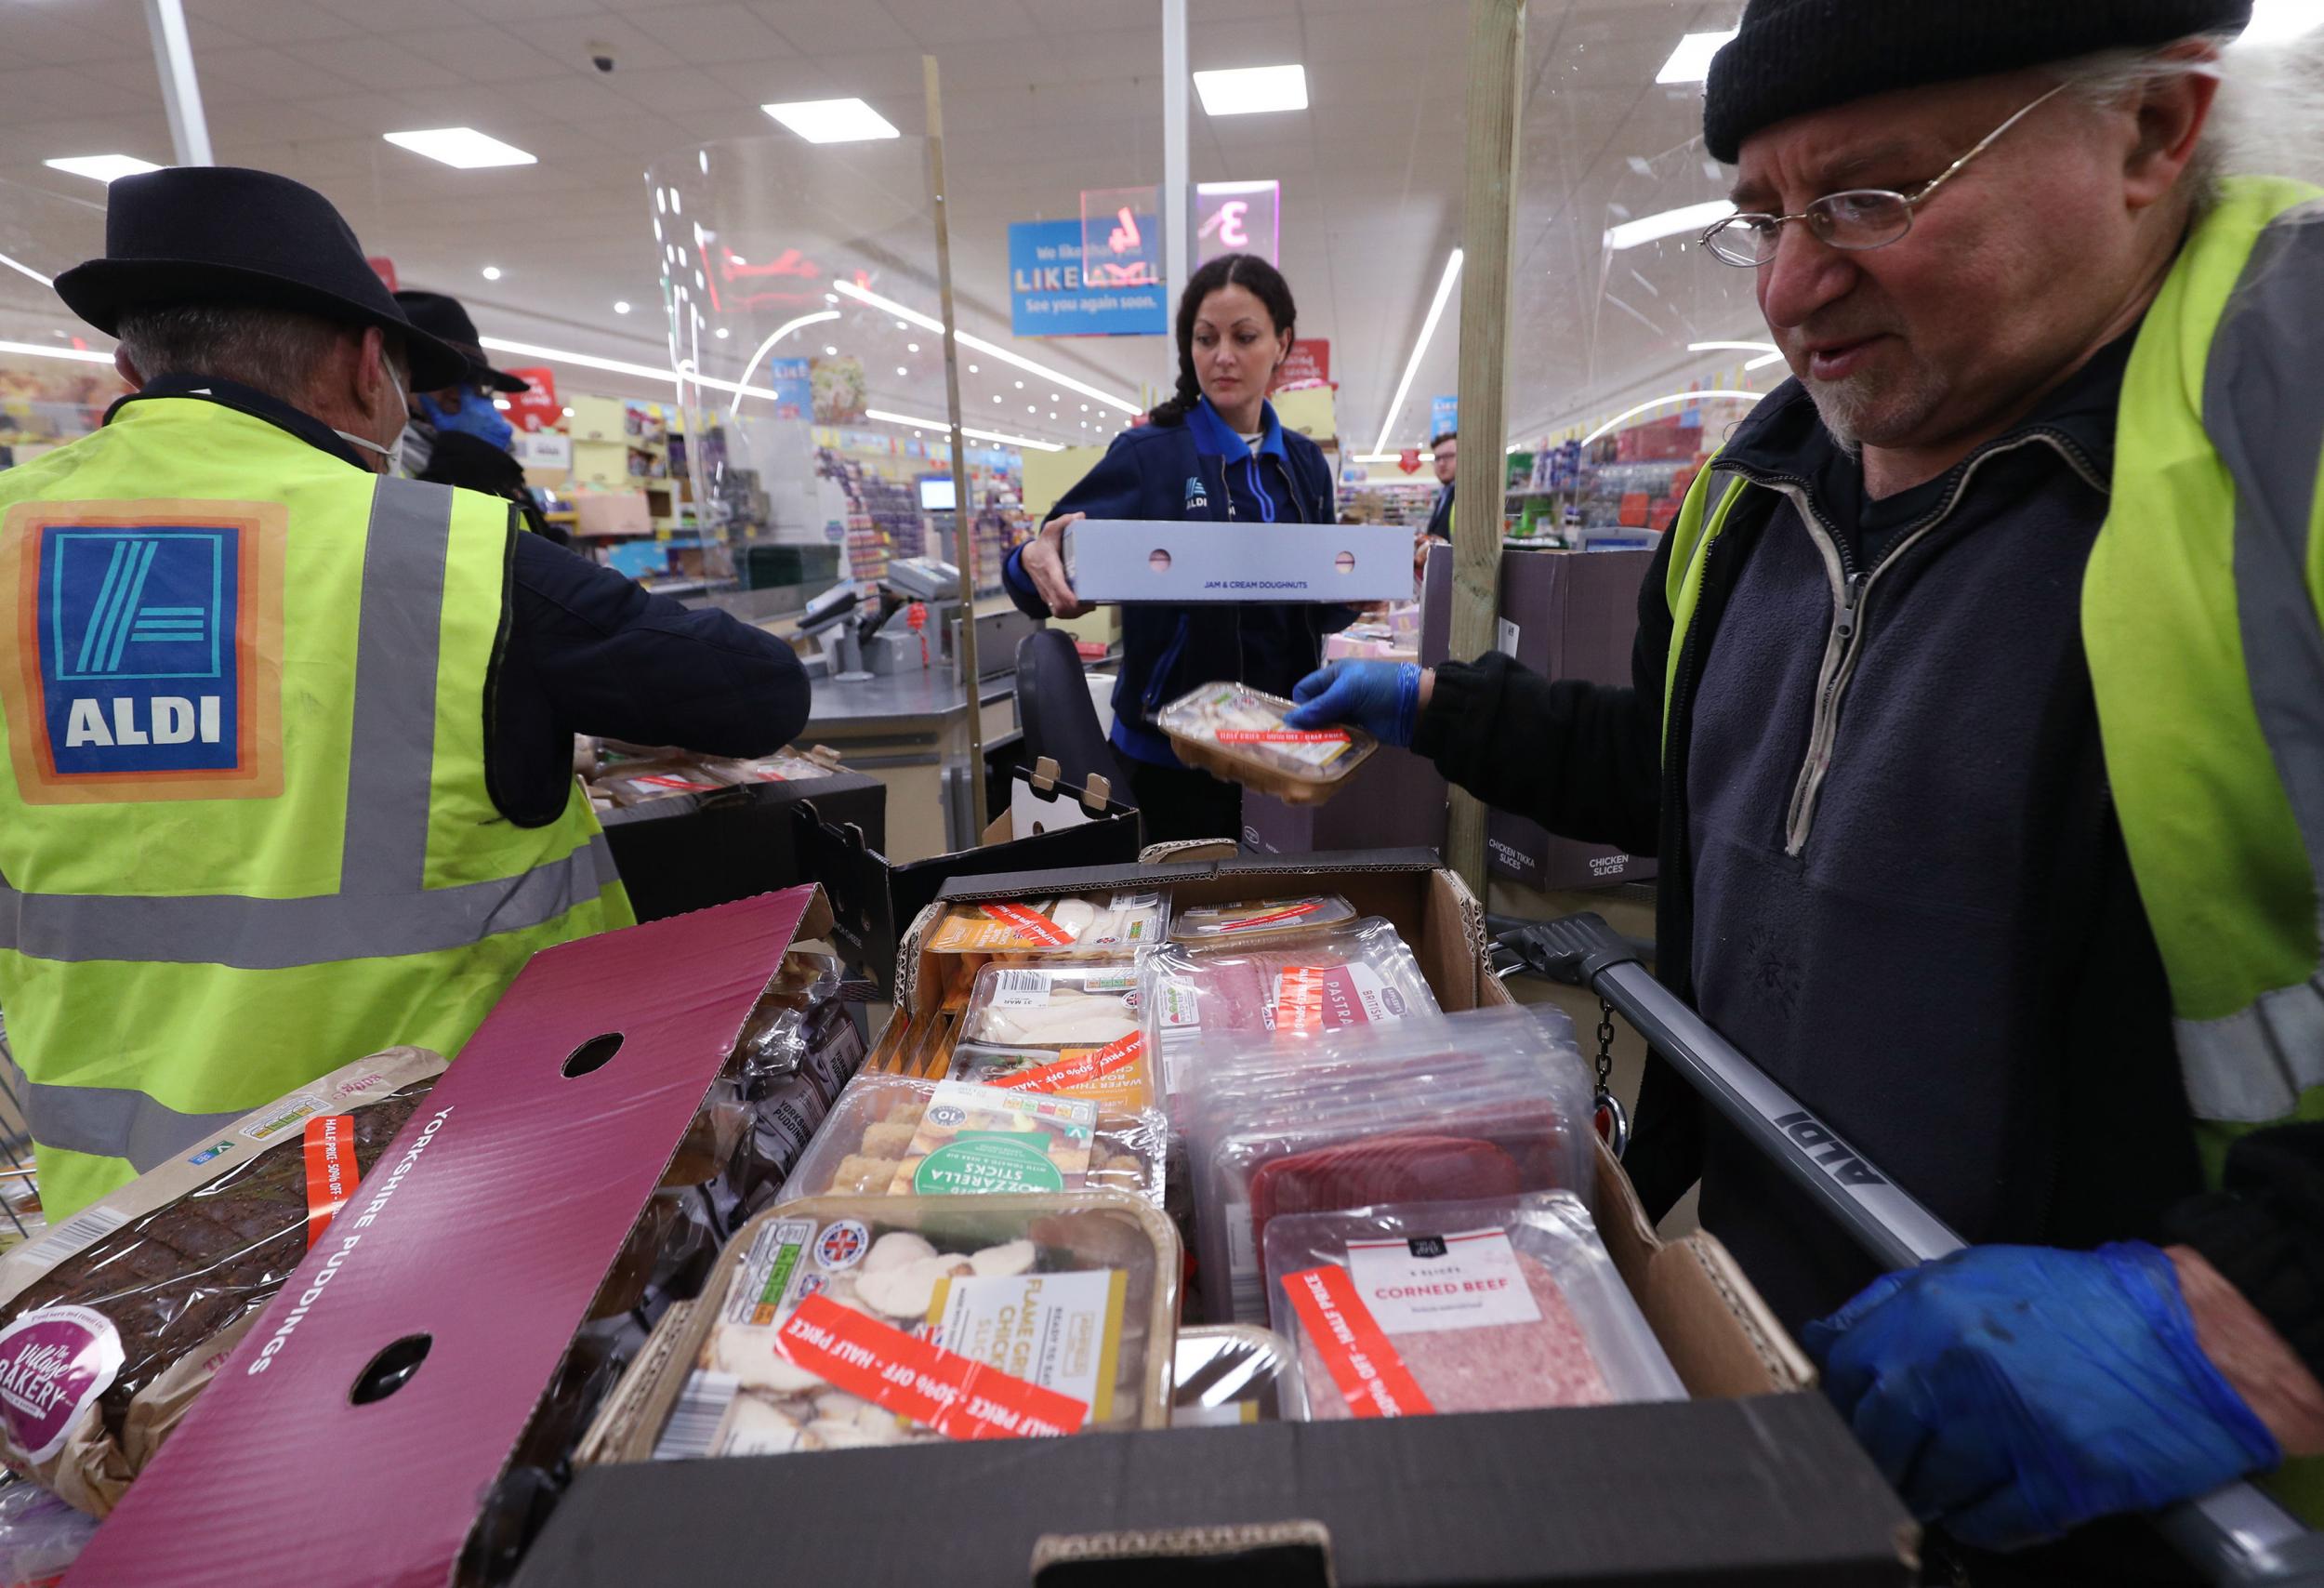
109,1122
2200,618
171,958
382,907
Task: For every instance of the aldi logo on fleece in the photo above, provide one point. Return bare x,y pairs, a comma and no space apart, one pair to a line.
148,647
1196,494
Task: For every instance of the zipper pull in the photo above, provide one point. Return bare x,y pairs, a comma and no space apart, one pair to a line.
1851,595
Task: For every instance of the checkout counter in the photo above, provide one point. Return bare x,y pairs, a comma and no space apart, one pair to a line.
893,717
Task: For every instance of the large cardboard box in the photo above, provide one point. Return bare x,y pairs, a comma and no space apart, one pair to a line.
1196,560
1395,800
691,851
1755,1480
355,1433
1564,615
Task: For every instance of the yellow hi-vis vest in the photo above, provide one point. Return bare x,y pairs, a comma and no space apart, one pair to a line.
245,834
2203,622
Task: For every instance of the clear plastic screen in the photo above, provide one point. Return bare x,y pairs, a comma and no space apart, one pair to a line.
56,371
1631,352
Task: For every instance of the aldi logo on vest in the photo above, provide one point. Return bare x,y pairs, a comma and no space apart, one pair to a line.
150,633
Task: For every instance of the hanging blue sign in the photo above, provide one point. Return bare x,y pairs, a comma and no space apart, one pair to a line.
1443,414
1049,298
793,388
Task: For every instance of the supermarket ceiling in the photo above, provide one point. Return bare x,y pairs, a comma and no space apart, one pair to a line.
1042,99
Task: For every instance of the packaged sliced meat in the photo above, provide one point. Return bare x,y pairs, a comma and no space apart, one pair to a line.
112,1323
1237,732
1486,1104
1058,1309
1300,987
914,1135
1070,1005
1232,1374
1438,1307
1113,926
1115,1078
1208,925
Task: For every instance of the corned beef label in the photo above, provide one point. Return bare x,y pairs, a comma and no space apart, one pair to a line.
1031,926
1421,1284
1372,1377
53,1363
956,1395
1324,998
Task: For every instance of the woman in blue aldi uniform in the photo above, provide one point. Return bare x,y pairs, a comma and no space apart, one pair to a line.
1213,451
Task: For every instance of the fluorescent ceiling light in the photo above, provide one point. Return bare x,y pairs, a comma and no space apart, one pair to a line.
1250,89
461,146
24,270
1670,223
1763,361
864,295
103,168
2273,22
35,350
1746,397
491,273
1731,347
1426,456
1412,366
832,120
1691,61
885,418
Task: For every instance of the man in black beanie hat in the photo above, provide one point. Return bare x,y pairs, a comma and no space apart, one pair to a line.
1976,724
289,772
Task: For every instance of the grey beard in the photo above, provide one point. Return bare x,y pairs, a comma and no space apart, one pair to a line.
1841,411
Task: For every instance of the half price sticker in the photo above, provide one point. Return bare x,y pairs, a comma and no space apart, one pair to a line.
1079,1070
1372,1379
956,1395
1030,925
1283,736
331,1172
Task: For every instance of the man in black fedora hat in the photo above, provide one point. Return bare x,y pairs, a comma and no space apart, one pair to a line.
289,736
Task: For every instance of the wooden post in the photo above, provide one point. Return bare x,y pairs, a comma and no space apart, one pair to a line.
1496,55
963,503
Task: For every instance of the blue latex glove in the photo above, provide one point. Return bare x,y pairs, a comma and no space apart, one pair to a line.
475,415
1382,698
2011,1393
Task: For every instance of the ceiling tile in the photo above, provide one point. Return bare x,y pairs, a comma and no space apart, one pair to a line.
267,21
579,37
701,35
825,27
374,63
483,54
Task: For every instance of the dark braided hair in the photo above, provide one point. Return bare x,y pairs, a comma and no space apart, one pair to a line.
1265,281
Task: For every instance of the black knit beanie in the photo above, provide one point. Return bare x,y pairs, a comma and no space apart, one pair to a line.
1796,56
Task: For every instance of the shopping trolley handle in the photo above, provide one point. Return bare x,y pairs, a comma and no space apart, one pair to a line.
2236,1535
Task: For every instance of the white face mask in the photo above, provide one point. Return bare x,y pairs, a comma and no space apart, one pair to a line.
394,455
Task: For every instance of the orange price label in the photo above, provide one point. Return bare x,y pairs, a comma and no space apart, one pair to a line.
1272,918
1372,1378
1282,736
1079,1070
1031,925
330,1175
960,1397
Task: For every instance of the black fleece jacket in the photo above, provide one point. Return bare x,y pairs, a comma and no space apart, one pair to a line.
2108,1152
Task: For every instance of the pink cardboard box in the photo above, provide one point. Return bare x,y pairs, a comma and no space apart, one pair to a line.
480,1237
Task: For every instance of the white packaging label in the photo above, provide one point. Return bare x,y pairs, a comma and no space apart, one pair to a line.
1020,989
1059,1331
1182,1005
1507,642
1324,998
1246,1281
1423,1284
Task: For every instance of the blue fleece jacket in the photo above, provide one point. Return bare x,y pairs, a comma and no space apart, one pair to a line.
1201,469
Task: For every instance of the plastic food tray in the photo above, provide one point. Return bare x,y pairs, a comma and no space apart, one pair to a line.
1237,734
